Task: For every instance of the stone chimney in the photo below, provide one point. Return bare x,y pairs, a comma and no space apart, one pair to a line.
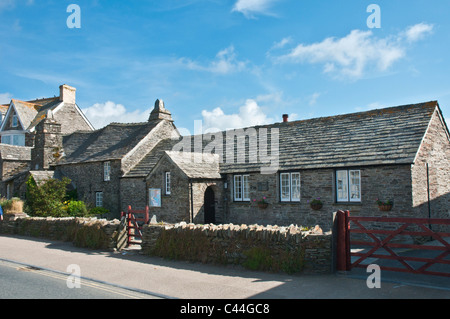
159,112
285,118
67,94
47,144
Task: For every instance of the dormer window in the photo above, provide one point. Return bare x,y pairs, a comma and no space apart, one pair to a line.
15,121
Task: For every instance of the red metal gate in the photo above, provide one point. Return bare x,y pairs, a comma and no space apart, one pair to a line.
400,226
135,219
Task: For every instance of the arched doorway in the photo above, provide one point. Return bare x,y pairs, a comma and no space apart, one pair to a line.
209,206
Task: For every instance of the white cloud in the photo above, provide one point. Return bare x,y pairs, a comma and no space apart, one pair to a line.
5,98
357,53
250,7
250,114
102,114
313,98
282,43
418,31
225,63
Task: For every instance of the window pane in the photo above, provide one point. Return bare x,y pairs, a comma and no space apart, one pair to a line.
285,187
167,183
18,140
341,186
99,199
6,139
355,185
107,171
295,186
238,187
245,188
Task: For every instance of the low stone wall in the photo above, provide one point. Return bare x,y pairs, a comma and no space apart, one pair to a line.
270,248
83,232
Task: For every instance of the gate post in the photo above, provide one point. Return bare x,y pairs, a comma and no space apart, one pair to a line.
343,241
147,215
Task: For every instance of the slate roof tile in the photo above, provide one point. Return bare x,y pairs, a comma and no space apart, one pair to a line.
113,141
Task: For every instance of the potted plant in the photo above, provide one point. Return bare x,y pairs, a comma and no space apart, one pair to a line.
385,206
262,203
316,203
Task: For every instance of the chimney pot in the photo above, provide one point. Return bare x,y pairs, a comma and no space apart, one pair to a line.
285,118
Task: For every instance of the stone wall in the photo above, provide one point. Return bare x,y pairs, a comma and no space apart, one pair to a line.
198,195
88,179
435,151
133,193
384,182
70,119
83,232
175,207
272,248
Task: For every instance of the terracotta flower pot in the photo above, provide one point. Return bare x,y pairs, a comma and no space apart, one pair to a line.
385,208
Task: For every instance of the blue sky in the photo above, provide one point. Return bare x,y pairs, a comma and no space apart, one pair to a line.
229,63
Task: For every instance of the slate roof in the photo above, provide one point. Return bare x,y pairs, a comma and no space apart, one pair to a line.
143,168
196,165
15,153
113,141
42,176
377,137
32,112
385,136
26,112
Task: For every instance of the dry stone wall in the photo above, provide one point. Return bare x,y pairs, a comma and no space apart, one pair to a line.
83,232
270,248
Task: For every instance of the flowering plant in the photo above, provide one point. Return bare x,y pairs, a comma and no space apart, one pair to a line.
262,201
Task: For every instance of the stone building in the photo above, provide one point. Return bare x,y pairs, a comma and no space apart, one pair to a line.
97,161
401,154
22,121
21,118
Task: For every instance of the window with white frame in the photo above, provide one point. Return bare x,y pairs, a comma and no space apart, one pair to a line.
290,187
99,199
107,171
15,120
348,186
167,182
241,188
13,139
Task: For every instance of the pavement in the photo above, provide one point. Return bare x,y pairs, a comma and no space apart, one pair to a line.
183,280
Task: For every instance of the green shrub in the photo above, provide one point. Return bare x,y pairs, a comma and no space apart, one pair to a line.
6,204
91,236
76,209
258,258
47,198
103,212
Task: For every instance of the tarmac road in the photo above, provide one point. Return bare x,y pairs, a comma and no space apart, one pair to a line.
174,279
